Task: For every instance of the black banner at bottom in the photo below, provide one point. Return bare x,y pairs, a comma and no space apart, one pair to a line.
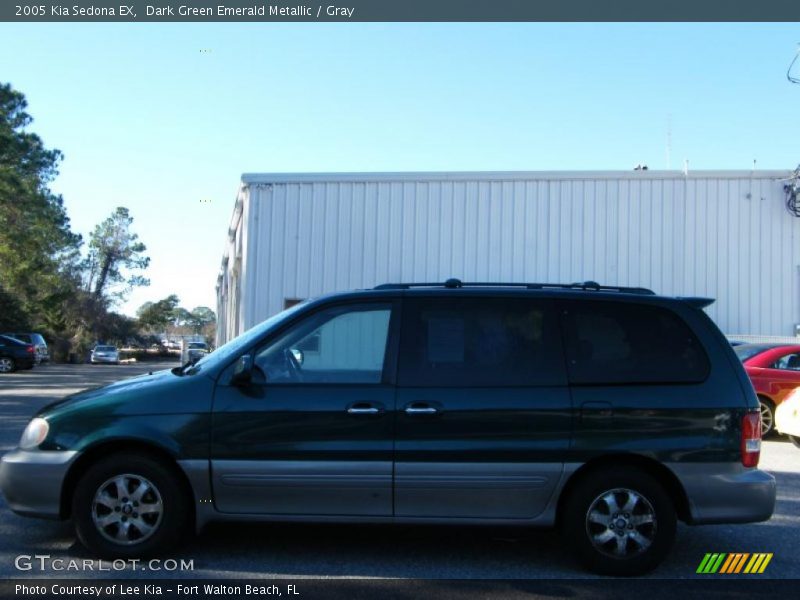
355,589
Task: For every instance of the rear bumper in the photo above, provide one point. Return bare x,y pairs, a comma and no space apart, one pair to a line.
31,481
723,493
25,362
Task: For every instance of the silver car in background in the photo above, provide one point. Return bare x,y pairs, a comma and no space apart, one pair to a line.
104,354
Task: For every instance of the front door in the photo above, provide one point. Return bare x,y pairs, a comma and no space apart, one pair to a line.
483,408
312,433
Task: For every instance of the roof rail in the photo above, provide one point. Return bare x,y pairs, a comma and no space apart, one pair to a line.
589,286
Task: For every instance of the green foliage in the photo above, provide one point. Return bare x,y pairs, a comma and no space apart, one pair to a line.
200,317
45,286
155,316
114,251
38,251
160,316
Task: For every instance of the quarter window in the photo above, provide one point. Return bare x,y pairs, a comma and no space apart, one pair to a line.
626,343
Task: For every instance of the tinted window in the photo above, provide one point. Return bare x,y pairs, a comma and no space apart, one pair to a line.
349,347
106,349
621,343
489,342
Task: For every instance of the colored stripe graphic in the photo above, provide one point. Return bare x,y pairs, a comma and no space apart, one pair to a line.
758,563
711,563
729,564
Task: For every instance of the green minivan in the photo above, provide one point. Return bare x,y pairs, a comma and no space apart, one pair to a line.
608,412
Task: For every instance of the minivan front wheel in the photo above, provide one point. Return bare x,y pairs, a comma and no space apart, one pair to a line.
621,521
128,505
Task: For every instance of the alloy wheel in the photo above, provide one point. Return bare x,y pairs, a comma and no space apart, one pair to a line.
6,365
766,418
127,509
621,523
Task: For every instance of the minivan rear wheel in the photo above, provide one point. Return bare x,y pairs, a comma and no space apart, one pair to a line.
128,505
7,364
620,520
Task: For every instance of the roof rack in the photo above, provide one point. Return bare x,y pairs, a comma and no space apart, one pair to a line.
588,286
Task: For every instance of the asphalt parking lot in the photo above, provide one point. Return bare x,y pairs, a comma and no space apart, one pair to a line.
248,551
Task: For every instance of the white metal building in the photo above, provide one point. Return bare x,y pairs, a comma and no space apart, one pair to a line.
723,234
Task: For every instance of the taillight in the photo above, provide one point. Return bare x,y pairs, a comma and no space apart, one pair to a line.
29,349
751,439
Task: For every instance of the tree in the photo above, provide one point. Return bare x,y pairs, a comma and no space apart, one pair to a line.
115,251
200,317
38,251
156,316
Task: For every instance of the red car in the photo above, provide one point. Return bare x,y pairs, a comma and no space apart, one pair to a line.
774,370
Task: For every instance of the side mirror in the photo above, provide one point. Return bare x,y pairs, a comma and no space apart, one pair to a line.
243,371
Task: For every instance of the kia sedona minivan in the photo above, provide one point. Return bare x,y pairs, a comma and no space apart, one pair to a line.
608,412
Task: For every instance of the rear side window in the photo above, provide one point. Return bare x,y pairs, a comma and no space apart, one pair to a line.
624,343
480,342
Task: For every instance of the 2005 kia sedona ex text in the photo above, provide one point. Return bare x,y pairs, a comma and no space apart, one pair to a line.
608,412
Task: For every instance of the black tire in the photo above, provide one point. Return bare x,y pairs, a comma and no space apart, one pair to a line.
7,364
767,416
644,544
133,470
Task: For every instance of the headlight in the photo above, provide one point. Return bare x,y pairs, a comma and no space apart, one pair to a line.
34,434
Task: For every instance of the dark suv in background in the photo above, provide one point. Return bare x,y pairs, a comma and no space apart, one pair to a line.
608,412
38,342
15,354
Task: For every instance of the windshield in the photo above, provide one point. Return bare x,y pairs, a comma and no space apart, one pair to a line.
194,345
748,351
239,344
105,349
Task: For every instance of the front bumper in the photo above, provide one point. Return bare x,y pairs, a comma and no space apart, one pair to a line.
31,481
726,493
104,359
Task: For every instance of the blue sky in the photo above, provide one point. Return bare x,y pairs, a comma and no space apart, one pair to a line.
148,121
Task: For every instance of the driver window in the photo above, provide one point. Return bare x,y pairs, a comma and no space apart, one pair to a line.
343,344
790,362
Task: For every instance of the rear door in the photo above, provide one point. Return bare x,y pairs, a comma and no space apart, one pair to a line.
483,410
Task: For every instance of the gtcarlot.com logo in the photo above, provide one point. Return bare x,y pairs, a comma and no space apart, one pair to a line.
44,562
733,563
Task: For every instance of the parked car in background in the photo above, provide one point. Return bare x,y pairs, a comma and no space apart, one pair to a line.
15,354
787,417
42,353
774,370
196,350
610,412
104,354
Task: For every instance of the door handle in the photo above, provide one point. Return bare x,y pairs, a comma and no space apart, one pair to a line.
421,409
363,410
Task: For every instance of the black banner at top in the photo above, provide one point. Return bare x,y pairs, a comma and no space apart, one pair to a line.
397,10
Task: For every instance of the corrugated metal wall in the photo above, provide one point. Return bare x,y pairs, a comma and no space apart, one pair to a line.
725,234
